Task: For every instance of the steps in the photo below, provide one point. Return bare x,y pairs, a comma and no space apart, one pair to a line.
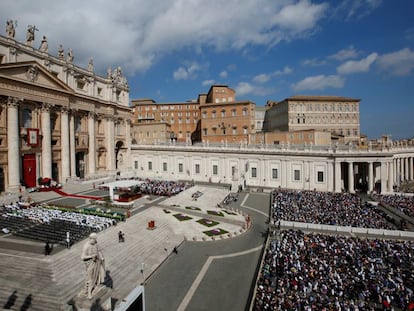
52,281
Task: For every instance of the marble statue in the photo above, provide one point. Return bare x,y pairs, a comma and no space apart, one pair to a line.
94,265
61,52
10,30
90,65
70,56
44,46
30,34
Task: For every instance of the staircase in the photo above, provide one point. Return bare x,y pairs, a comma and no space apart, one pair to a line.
49,282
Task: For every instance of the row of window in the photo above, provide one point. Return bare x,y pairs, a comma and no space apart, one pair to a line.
223,131
346,107
166,107
223,113
320,176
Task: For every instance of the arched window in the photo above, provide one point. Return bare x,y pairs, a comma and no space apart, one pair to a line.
27,118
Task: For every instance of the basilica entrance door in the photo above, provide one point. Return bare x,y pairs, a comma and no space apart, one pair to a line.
29,170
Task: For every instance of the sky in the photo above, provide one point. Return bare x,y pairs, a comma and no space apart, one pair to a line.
174,50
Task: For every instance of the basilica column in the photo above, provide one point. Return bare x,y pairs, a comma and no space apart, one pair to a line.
390,177
110,144
370,176
338,177
46,141
72,145
13,154
92,145
351,177
65,150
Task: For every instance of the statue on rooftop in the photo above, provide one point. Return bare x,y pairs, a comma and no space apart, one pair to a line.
61,52
10,29
30,34
94,265
44,46
90,65
70,56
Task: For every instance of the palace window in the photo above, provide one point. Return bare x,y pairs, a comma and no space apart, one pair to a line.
180,167
164,167
320,176
274,173
215,169
197,168
150,166
254,172
296,175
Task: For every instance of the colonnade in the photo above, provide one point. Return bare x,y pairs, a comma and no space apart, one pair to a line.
387,172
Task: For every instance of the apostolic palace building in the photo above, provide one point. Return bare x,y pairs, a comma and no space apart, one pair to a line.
65,122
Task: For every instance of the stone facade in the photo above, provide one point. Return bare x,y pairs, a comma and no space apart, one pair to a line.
58,120
330,168
337,115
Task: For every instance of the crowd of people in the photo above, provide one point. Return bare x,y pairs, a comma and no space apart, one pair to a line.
162,187
340,209
40,214
403,203
321,272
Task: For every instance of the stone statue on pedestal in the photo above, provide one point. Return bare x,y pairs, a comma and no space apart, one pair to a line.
30,35
70,56
94,265
44,46
61,52
10,30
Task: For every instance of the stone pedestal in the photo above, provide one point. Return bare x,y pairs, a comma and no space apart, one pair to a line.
101,300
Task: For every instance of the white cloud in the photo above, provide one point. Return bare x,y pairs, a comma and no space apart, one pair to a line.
354,66
207,82
264,77
344,54
136,34
189,71
356,9
246,88
223,74
314,62
399,63
319,82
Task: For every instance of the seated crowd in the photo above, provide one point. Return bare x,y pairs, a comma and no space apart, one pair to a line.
403,203
321,272
341,209
44,224
161,187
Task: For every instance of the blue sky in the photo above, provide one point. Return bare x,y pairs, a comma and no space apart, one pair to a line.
173,50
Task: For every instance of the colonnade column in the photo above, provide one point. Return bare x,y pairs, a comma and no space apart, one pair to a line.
406,173
337,174
370,176
402,177
390,176
65,150
351,177
46,141
411,168
383,173
92,146
13,154
72,145
394,164
110,144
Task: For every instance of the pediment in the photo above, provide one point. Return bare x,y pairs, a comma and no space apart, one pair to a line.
34,74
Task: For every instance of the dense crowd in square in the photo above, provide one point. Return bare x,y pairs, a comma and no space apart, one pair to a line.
340,209
162,187
321,272
401,202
